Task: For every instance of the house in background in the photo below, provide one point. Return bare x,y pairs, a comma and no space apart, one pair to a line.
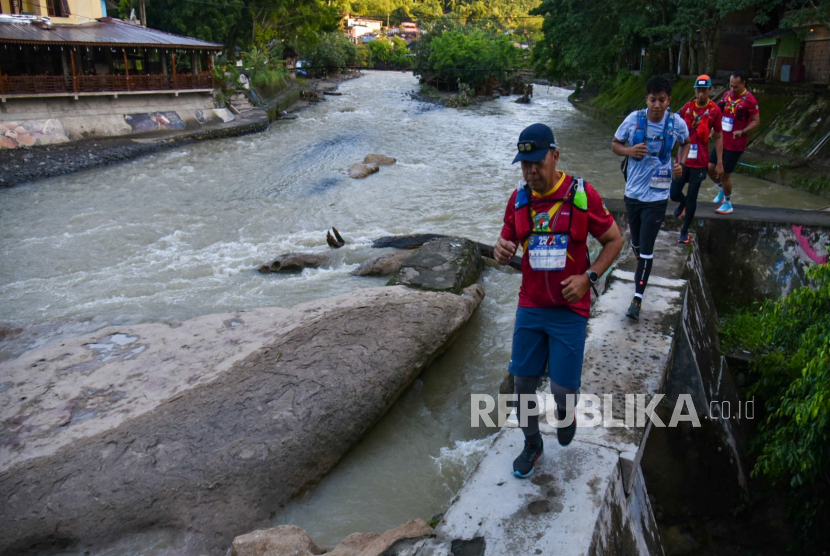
68,72
356,27
791,55
70,47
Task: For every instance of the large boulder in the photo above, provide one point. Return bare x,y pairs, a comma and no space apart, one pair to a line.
385,264
363,544
285,540
290,540
358,171
443,264
207,425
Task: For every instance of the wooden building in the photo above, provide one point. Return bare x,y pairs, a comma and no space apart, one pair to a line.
70,48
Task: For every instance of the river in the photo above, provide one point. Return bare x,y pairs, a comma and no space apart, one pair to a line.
179,234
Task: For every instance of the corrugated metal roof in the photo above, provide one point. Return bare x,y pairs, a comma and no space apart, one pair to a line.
106,31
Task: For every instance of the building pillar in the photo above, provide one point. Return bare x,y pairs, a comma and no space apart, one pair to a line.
65,62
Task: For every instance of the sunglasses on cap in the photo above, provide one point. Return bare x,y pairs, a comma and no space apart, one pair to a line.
530,146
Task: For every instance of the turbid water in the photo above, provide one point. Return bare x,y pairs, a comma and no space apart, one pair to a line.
178,234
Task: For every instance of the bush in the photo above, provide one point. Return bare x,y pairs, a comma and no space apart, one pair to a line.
267,71
333,52
478,57
790,374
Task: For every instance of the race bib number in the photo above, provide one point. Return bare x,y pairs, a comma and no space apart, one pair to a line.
548,251
727,123
661,178
692,153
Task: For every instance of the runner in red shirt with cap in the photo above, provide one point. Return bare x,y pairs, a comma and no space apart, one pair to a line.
551,216
703,118
740,114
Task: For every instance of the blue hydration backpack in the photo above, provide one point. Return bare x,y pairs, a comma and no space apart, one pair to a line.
640,135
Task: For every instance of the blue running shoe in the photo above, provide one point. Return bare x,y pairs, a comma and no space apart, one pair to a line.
524,465
679,211
684,238
725,208
719,197
634,309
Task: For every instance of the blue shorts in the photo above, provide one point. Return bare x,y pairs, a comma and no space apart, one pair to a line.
552,337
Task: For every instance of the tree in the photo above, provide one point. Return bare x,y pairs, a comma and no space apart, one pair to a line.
332,52
478,57
214,23
594,40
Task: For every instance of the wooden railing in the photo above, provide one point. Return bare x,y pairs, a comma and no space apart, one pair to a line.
42,84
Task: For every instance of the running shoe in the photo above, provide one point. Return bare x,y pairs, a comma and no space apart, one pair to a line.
684,238
679,211
725,208
565,434
523,466
634,309
719,197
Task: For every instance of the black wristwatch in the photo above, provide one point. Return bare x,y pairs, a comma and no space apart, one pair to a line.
592,276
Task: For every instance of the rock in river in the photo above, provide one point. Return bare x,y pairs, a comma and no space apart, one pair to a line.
295,262
444,264
385,264
207,425
379,159
359,171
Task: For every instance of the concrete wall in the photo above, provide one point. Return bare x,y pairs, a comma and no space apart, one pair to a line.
55,120
757,253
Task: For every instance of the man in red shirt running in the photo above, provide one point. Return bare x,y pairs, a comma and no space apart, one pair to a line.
740,115
551,217
703,118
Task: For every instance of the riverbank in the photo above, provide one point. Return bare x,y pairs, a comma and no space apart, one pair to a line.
23,165
790,146
35,163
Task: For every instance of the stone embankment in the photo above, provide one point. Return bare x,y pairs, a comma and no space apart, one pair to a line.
24,165
206,425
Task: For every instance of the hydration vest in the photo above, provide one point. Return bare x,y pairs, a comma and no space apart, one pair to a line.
731,106
577,221
668,134
703,128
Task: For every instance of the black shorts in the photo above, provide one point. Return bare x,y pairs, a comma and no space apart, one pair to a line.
644,221
730,159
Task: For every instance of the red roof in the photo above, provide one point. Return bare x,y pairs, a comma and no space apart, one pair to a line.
105,31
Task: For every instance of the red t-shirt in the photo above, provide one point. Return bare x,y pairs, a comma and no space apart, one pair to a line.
542,288
698,113
738,109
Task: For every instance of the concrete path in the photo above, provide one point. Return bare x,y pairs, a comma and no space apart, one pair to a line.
588,497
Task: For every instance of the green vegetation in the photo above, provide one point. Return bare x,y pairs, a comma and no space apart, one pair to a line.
331,52
790,375
388,54
627,92
477,57
261,23
267,72
595,40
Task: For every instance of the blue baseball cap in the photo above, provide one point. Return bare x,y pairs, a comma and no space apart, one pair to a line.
534,143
